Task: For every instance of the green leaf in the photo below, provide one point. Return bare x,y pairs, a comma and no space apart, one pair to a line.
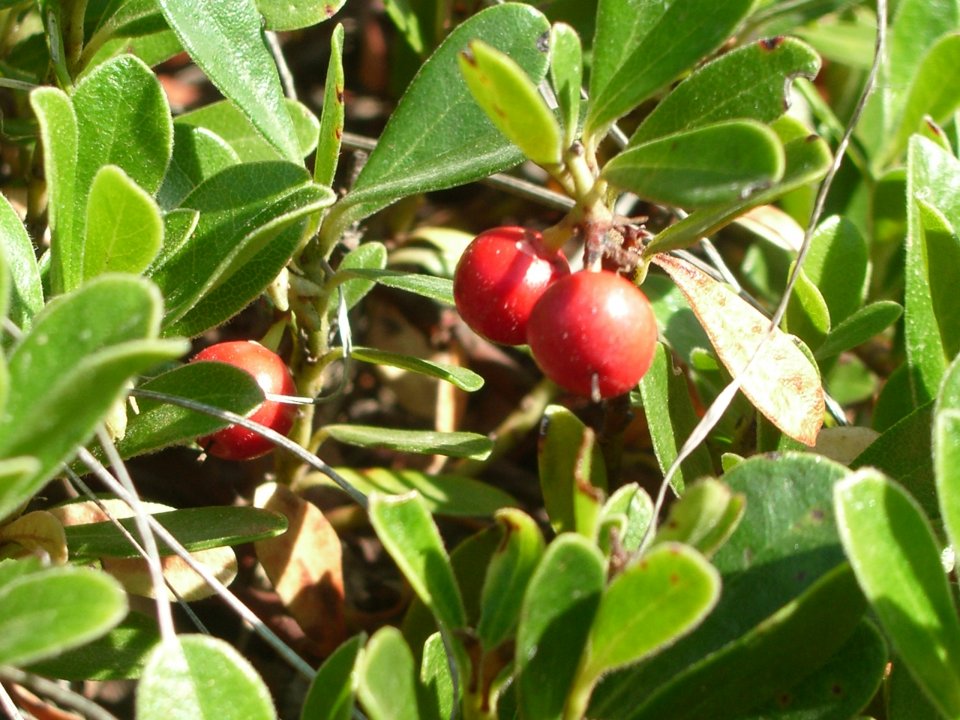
297,14
157,425
58,134
858,328
566,75
808,316
558,609
942,250
508,574
404,526
368,256
18,256
656,600
198,154
438,137
130,19
896,558
436,684
750,82
195,528
642,45
428,286
332,695
451,444
71,368
629,509
837,264
119,655
386,681
198,677
710,164
444,494
704,516
227,121
460,377
243,212
671,417
124,228
946,425
230,49
511,101
569,463
806,160
43,614
332,118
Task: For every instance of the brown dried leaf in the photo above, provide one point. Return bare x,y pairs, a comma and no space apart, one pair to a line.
134,575
305,566
782,383
37,532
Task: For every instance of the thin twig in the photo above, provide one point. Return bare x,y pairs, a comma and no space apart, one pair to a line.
7,704
61,695
286,77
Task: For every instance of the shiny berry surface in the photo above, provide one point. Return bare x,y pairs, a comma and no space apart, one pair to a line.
593,333
500,276
272,375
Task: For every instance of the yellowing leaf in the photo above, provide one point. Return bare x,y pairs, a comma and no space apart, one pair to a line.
305,566
782,383
37,532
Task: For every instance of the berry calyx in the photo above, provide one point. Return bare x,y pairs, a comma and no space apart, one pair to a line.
271,373
500,276
593,333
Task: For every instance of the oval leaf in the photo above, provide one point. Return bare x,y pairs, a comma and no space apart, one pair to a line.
296,14
333,690
451,444
386,682
782,382
460,377
19,257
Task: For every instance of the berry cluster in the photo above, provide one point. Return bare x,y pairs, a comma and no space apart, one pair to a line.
592,333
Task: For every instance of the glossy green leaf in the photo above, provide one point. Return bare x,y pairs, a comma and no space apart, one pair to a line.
244,211
296,14
58,134
751,82
195,528
460,377
124,228
387,678
198,153
199,677
755,668
784,543
45,613
444,494
642,45
704,516
858,328
656,600
566,75
230,49
671,417
511,101
808,316
120,654
942,250
70,369
18,257
837,264
704,166
507,576
558,609
227,121
451,444
629,509
437,689
156,424
837,690
408,533
806,160
332,692
428,286
332,118
896,558
438,136
946,451
568,458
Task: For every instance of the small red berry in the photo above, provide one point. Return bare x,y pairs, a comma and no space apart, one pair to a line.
238,443
593,333
500,276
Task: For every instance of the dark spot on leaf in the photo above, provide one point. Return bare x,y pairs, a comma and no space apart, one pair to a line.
468,57
817,515
339,90
801,576
674,579
329,10
772,43
339,133
784,700
499,111
673,524
837,689
812,138
509,528
543,42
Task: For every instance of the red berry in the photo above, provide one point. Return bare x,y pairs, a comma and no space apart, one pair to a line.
238,443
500,276
593,331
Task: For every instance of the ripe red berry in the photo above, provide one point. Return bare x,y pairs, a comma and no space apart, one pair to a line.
238,443
500,276
593,333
